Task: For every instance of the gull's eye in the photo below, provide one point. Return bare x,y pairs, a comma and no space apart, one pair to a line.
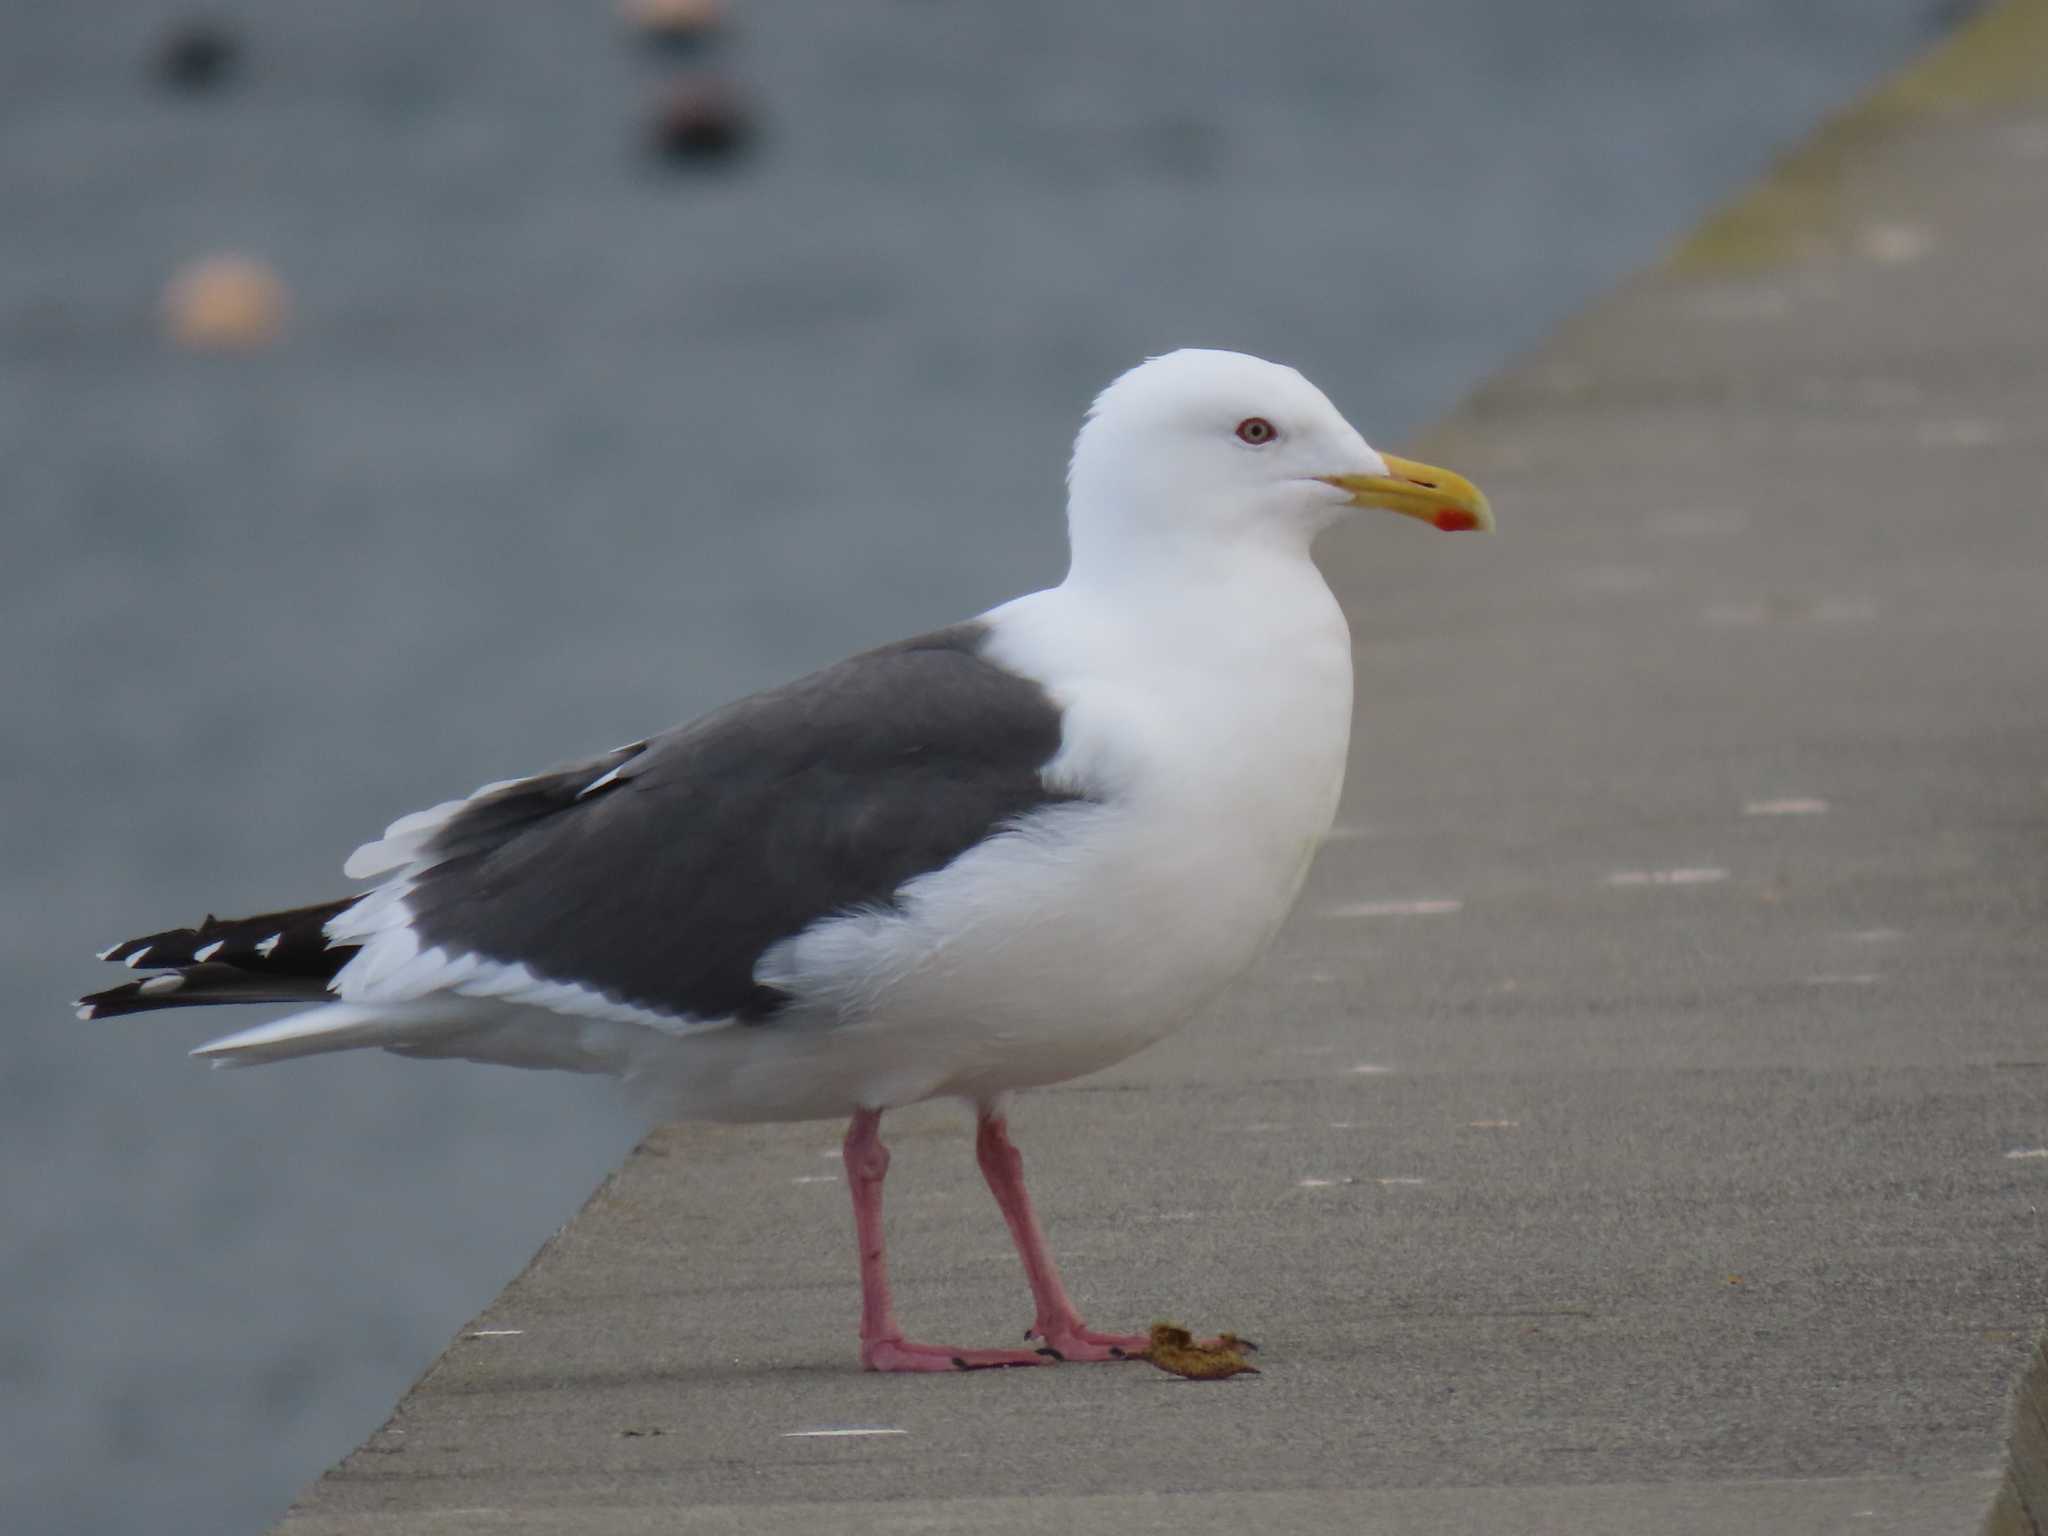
1257,431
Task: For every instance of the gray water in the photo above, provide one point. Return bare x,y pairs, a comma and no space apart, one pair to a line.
563,447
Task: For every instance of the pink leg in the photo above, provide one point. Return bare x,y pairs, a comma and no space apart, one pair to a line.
1058,1324
882,1345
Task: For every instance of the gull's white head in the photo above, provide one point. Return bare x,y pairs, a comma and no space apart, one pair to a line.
1203,449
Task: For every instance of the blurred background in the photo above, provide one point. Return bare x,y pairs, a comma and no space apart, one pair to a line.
395,397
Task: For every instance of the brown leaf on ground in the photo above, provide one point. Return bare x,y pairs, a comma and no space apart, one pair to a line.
1174,1349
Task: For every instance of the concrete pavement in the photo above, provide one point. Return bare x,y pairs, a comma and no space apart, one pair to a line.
1643,1124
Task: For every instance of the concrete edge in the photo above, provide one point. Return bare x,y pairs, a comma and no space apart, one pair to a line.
1787,215
1998,57
2020,1507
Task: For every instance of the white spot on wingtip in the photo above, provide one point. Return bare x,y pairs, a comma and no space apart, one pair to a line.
1684,876
201,956
108,952
135,959
156,986
264,949
86,1011
1791,806
599,782
1423,907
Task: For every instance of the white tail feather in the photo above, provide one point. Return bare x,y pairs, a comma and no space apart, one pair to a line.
339,1027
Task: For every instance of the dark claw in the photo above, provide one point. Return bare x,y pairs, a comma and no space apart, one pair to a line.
1055,1354
1248,1344
1118,1352
961,1365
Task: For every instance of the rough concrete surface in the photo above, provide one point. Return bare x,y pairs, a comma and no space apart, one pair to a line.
1678,1167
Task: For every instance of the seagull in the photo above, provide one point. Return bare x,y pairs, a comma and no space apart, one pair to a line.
988,858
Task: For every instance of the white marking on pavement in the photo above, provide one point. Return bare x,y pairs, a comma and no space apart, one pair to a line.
1896,245
1793,806
1968,432
1743,303
1368,1067
1784,610
1494,1125
1613,578
1400,1180
1874,936
2023,1154
1314,1183
815,1178
1701,522
1700,875
1428,906
496,1333
837,1434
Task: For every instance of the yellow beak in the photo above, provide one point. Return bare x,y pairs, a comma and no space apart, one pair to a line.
1440,497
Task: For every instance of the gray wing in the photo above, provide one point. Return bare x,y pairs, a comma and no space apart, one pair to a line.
657,874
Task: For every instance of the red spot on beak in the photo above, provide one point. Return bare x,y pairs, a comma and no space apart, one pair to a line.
1455,520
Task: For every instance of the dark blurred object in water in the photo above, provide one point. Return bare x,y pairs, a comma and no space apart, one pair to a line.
1946,15
198,54
675,25
699,119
